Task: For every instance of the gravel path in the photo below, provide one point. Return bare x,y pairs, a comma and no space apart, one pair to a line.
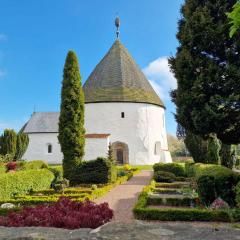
123,197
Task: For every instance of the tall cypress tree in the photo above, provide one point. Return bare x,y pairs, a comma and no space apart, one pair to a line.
71,122
21,145
207,69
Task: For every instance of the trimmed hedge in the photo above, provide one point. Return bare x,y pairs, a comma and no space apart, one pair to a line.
96,171
160,176
177,214
171,185
76,194
22,182
176,168
186,201
36,164
167,191
142,212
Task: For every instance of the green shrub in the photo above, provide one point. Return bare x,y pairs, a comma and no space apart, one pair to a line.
36,164
189,168
224,181
2,168
176,168
206,189
237,189
22,182
160,176
96,171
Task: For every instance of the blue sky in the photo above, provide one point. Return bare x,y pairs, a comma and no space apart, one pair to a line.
35,37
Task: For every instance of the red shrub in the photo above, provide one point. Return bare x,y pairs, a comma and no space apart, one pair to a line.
63,214
11,166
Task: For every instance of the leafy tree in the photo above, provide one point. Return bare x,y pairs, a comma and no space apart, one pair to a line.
71,122
207,69
21,145
8,142
213,150
234,18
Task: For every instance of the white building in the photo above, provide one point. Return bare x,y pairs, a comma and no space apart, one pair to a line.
121,107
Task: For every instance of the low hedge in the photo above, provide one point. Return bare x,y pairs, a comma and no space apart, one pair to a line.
76,194
167,190
35,164
161,176
171,185
22,182
177,169
186,201
143,212
181,214
96,171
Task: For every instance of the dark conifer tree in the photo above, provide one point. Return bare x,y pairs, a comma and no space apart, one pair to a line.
9,142
71,122
207,69
21,145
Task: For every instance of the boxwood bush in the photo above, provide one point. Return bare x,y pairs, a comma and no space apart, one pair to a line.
97,171
35,164
176,168
22,182
160,176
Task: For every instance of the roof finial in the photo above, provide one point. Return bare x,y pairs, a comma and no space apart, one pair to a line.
117,24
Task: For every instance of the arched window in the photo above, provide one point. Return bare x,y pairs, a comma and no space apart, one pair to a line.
157,150
49,148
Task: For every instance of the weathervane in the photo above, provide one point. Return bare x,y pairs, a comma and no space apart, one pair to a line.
117,24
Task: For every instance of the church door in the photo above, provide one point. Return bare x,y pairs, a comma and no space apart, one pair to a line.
120,156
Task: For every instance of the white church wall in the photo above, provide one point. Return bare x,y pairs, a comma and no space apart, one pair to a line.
142,126
96,147
38,148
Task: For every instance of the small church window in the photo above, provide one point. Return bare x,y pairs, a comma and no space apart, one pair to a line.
123,115
49,148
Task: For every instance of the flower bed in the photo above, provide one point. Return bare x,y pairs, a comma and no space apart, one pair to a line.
78,194
188,208
62,214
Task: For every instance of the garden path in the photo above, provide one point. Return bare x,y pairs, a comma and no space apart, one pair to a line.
123,197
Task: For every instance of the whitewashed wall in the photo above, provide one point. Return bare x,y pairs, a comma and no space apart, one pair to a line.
142,127
96,147
38,148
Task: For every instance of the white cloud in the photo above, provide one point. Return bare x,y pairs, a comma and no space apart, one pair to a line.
159,74
3,37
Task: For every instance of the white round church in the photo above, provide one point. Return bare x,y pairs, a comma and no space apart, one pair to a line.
121,108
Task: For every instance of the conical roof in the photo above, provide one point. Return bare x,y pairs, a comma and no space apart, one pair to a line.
117,78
